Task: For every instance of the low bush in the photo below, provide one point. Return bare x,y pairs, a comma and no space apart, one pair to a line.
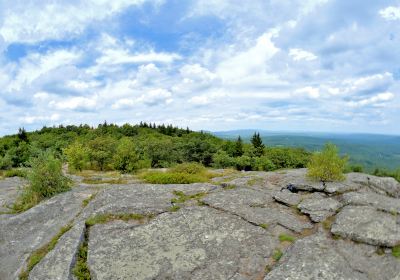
45,180
16,173
327,165
185,173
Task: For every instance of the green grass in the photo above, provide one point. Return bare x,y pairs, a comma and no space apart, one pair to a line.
174,208
81,270
396,251
92,181
105,218
40,253
86,201
287,238
264,226
277,255
16,172
182,197
186,173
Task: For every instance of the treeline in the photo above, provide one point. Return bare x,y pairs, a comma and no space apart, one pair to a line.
131,147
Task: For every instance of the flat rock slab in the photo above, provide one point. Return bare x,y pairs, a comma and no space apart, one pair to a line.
193,243
58,263
139,198
368,225
286,197
9,190
378,201
319,207
382,185
22,234
256,206
318,257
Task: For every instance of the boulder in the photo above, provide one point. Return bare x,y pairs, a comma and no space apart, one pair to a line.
319,207
193,243
378,201
368,225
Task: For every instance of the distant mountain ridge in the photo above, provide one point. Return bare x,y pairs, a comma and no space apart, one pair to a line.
370,150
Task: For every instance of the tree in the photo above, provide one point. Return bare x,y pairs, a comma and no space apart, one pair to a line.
327,165
77,156
238,149
22,135
126,158
257,145
101,151
221,159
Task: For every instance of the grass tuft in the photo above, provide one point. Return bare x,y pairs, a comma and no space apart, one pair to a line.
105,218
264,226
287,238
40,253
277,255
81,269
396,251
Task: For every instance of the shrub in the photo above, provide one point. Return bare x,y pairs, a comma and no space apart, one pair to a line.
5,162
244,163
45,180
221,159
189,168
77,156
263,164
16,173
155,177
327,165
126,158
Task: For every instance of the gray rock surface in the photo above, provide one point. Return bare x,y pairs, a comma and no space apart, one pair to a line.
22,234
9,190
319,207
57,264
319,257
256,206
194,243
368,225
378,201
286,197
232,236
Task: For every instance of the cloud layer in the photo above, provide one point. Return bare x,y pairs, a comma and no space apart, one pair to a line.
319,65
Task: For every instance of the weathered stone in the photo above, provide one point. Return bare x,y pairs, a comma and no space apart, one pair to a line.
368,225
9,190
319,207
382,185
193,243
312,258
57,264
318,257
378,201
287,197
256,206
22,234
363,258
139,198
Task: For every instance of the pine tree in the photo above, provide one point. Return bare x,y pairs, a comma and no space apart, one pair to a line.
22,135
257,144
238,151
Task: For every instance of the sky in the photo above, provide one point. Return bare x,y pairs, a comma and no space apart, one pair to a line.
295,65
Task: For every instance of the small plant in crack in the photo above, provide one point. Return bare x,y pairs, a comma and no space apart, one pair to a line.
40,253
81,270
264,226
396,251
287,238
105,218
277,255
174,208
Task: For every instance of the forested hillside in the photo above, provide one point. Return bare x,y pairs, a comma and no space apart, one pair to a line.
131,147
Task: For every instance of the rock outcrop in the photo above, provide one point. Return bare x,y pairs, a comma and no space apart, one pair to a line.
243,226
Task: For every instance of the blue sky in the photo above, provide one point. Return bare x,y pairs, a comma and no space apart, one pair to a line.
296,65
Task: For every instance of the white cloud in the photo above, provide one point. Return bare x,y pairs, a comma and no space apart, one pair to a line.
378,100
390,13
31,21
151,98
75,103
40,118
35,65
250,61
119,56
311,92
299,54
